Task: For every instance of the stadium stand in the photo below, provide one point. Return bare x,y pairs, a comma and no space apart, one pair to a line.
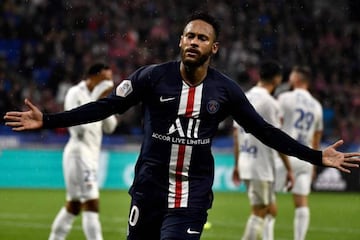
45,45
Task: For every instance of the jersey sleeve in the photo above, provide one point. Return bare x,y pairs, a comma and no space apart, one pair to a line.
127,94
320,124
245,114
270,111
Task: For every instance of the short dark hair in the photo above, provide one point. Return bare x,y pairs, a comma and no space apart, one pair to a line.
206,17
97,68
305,71
269,69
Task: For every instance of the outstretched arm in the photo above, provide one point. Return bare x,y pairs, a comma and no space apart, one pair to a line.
29,120
90,112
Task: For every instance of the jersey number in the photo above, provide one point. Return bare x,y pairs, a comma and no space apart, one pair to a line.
304,119
134,215
303,123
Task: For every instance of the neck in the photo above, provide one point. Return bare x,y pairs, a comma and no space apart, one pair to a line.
90,84
301,86
269,87
193,75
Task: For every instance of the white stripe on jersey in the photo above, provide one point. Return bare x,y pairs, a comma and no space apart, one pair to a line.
190,101
190,104
178,176
197,101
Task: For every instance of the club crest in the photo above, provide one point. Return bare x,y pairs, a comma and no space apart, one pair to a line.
124,88
212,106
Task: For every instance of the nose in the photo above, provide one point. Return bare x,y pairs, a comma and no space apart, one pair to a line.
194,41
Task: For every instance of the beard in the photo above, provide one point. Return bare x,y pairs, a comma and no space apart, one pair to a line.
195,62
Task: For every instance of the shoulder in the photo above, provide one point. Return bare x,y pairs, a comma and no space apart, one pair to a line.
318,104
217,75
286,98
284,95
76,88
222,81
272,101
158,69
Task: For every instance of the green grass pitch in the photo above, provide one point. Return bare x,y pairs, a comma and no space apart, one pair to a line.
28,214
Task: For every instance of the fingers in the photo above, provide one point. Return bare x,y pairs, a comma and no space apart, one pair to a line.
289,186
343,169
337,144
18,129
13,124
29,104
289,182
353,154
350,165
12,118
8,115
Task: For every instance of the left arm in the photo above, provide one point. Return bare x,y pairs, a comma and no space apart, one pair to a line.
316,145
236,174
273,137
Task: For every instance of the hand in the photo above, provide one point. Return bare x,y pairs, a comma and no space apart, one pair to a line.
339,160
102,89
106,93
290,180
20,121
314,174
236,177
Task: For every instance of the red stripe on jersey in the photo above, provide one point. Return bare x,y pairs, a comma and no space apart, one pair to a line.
190,102
178,175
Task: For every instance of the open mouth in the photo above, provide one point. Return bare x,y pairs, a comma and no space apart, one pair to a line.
192,52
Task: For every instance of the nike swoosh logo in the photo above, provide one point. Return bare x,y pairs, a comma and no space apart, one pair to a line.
162,99
189,231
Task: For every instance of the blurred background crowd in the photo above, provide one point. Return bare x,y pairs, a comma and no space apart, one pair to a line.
46,46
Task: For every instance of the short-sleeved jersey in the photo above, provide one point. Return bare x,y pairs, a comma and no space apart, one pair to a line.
302,115
85,139
256,160
175,167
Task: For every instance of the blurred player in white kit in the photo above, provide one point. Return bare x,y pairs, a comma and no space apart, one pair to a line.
255,162
81,156
303,120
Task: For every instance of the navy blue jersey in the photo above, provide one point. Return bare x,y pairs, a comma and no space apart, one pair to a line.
175,167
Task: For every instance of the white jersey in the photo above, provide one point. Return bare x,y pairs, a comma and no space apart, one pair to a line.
256,160
85,140
302,118
302,115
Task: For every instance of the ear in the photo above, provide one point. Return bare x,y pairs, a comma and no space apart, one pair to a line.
180,42
215,47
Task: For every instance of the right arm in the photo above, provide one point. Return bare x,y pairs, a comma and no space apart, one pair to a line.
289,173
128,93
236,175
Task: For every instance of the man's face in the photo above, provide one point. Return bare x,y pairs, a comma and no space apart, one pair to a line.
294,78
197,44
107,74
277,80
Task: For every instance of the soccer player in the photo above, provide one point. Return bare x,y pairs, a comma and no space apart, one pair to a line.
81,156
255,162
183,103
303,120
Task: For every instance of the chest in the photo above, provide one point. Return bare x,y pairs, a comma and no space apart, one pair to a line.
181,100
178,107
